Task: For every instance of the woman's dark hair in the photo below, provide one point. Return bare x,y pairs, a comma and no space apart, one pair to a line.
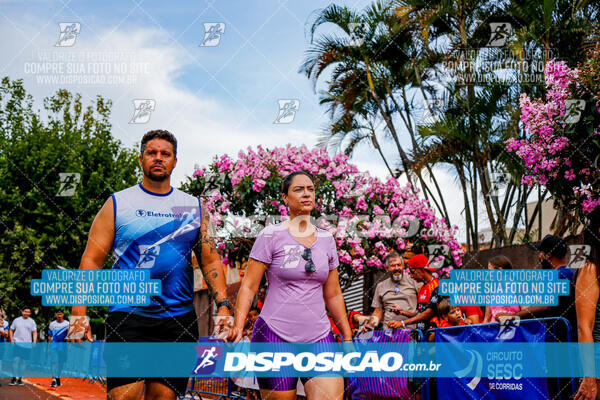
501,262
591,237
287,181
159,134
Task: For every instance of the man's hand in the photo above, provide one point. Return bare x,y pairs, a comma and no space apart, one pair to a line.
224,325
367,323
587,389
395,324
396,309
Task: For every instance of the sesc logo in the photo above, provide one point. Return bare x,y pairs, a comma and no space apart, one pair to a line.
207,359
473,369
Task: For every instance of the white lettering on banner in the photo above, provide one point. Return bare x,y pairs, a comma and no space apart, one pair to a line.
321,362
325,362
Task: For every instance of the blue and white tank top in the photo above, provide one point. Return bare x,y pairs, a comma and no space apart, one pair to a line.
58,330
156,232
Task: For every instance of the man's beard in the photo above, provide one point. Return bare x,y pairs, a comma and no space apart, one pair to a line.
156,177
397,277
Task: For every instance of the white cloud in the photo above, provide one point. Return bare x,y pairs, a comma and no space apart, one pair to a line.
204,126
204,123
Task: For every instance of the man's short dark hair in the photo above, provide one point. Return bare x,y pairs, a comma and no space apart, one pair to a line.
59,311
255,309
26,308
159,134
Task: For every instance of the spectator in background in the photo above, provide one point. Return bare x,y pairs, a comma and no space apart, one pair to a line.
4,336
553,255
262,293
472,314
553,252
4,328
57,334
395,298
252,317
499,262
23,332
355,319
427,297
447,316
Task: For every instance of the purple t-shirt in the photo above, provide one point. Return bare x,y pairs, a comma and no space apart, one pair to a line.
294,307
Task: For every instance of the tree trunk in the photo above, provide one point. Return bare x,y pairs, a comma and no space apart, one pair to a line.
390,126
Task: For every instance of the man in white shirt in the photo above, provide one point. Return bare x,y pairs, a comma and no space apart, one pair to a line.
23,331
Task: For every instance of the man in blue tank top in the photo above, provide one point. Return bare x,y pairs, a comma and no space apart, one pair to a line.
156,227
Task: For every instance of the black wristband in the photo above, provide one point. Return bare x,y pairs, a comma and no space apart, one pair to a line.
224,303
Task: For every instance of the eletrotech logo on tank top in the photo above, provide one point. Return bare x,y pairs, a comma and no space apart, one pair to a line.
150,213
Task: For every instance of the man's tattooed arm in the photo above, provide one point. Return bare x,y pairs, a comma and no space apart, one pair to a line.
208,257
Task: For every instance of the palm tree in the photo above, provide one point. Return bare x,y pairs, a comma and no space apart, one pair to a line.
369,82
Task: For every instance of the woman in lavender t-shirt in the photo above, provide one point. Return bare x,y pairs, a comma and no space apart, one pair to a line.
301,262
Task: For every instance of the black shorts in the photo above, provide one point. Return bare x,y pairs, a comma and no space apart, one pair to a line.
125,327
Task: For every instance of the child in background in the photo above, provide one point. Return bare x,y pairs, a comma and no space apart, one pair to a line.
499,262
448,316
252,316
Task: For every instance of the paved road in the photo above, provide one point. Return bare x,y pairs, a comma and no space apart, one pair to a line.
27,392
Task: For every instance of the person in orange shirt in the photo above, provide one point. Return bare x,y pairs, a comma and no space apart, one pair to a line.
448,316
427,297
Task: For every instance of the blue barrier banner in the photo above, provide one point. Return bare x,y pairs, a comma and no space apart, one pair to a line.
501,370
485,287
511,361
95,287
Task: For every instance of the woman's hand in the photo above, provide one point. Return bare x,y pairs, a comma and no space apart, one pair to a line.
235,334
587,390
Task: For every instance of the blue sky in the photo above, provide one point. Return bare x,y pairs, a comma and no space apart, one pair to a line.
214,99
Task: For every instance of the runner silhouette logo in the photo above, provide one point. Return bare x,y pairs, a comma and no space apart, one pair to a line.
208,357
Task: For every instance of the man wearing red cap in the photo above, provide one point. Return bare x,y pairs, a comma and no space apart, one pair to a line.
428,297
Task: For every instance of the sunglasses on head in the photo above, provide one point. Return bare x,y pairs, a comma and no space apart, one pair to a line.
310,265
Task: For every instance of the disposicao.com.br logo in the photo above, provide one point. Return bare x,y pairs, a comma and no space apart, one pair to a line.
339,362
